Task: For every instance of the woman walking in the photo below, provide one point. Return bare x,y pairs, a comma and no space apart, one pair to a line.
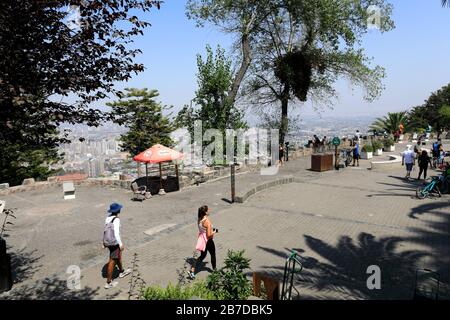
205,242
424,160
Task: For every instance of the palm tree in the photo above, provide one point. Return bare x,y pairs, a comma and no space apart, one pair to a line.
391,122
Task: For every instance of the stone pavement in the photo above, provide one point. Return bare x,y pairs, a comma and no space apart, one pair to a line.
340,223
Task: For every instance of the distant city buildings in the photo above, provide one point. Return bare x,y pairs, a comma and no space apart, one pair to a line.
95,152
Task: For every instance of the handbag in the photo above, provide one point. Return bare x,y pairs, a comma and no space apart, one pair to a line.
201,241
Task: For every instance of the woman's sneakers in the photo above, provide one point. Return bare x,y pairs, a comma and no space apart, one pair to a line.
124,273
191,275
111,285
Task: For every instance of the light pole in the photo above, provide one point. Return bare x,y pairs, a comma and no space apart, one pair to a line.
233,180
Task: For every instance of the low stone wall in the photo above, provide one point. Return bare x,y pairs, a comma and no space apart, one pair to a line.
241,198
393,163
49,184
186,179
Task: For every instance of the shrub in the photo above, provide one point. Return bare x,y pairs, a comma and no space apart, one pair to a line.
377,145
197,289
388,142
230,282
367,148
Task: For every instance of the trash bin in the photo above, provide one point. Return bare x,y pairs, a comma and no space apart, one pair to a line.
322,162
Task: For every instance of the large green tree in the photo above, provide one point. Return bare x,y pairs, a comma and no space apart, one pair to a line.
305,47
239,18
299,49
213,108
57,57
143,116
433,112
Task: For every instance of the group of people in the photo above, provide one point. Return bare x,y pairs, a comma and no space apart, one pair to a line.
112,241
317,143
424,160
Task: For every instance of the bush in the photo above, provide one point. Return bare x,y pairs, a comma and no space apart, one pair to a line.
388,142
230,282
197,289
367,148
377,145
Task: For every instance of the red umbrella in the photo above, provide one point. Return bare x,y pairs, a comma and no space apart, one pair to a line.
158,154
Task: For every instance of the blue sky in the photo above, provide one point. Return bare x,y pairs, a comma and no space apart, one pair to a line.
415,56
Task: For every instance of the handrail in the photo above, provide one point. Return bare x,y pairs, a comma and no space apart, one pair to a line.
289,272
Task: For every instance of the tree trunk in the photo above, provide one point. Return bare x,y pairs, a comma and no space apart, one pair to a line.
284,114
246,60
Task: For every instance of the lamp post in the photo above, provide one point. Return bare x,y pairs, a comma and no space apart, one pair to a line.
287,151
233,180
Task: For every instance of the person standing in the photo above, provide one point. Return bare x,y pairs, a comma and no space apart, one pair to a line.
281,155
423,161
408,159
113,241
205,242
316,144
356,153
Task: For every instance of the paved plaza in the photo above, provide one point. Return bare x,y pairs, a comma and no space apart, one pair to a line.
340,222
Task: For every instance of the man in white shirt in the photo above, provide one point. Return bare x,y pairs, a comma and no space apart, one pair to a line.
115,252
408,159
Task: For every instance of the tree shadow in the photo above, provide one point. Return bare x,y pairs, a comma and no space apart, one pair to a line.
435,236
24,264
342,271
52,289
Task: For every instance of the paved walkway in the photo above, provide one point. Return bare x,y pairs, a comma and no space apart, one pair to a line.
340,222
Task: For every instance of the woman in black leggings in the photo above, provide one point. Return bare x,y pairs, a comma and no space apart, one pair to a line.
424,160
205,228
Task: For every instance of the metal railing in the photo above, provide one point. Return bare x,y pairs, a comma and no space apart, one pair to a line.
289,272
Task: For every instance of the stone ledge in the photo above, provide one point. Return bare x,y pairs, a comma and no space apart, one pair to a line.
242,197
388,164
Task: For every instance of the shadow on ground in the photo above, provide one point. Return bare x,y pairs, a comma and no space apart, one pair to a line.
343,274
51,289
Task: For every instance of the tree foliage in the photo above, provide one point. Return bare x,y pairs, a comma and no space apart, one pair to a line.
433,112
143,116
241,19
53,68
304,47
214,109
391,122
297,49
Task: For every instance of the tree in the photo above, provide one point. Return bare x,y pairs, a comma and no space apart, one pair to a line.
144,118
304,47
391,122
433,112
241,18
215,109
55,63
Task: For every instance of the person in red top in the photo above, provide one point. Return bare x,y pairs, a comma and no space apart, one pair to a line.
205,227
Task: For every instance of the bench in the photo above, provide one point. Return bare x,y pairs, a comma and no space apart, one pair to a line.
68,190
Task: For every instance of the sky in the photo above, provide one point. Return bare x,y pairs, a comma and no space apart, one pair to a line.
415,56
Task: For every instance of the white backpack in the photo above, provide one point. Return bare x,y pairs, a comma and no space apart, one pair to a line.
109,238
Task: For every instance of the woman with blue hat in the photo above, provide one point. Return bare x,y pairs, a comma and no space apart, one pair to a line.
112,241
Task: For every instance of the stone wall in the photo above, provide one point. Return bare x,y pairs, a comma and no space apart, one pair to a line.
186,178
